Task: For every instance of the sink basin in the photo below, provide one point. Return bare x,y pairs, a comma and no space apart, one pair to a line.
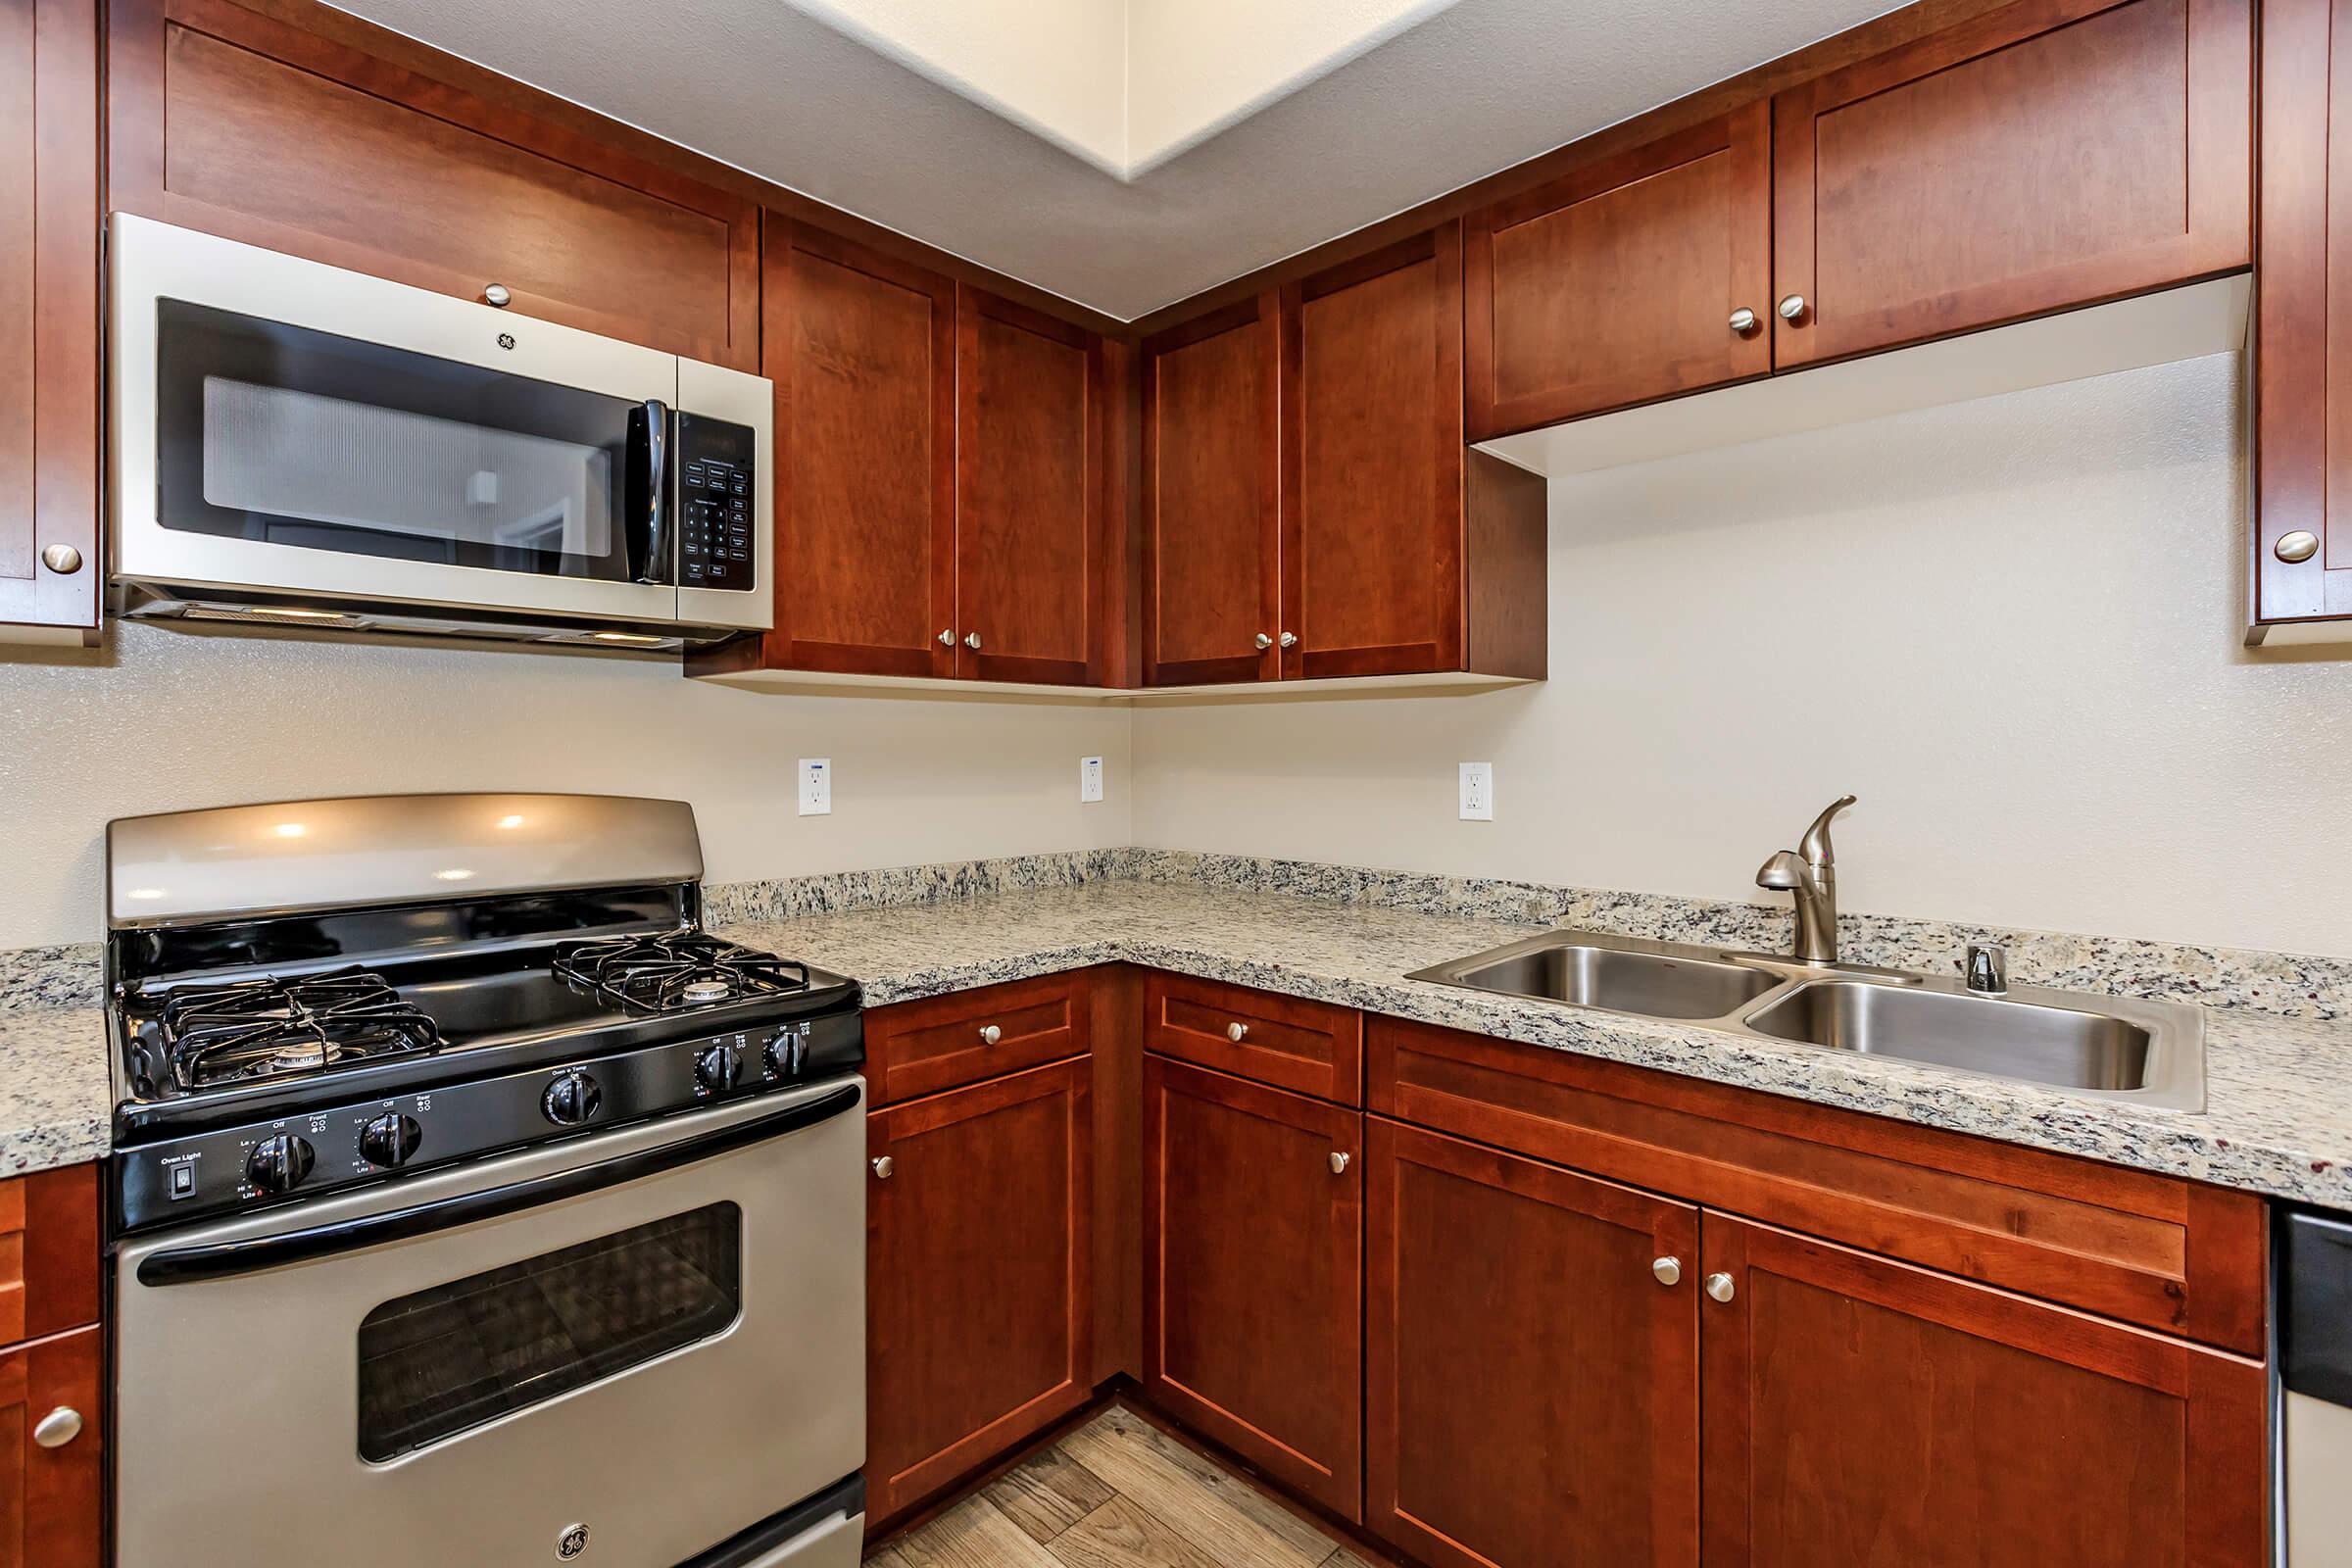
1656,980
2145,1051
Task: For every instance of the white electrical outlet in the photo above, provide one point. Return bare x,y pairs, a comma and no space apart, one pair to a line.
1090,778
1478,792
817,786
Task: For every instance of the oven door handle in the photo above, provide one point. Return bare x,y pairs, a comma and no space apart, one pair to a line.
224,1259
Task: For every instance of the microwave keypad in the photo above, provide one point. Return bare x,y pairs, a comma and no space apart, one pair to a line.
714,504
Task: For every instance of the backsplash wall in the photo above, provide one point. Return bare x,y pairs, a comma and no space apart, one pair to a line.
163,721
2010,626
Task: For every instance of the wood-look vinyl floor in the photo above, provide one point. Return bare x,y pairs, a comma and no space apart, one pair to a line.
1117,1493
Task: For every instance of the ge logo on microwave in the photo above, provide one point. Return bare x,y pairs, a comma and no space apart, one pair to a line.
506,340
571,1543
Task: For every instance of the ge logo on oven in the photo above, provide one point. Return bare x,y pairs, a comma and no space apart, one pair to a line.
571,1543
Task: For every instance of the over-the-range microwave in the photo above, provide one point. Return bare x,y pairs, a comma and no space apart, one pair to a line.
293,444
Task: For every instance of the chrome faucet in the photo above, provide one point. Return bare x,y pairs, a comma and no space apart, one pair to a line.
1810,872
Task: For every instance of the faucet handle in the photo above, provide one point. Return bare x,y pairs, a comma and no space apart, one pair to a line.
1783,873
1986,968
1815,844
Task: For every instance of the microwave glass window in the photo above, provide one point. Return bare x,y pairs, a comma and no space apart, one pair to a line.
285,435
452,1358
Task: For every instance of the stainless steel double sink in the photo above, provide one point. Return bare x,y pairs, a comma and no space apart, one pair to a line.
2144,1052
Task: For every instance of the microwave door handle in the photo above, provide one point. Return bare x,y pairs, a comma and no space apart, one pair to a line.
224,1259
648,539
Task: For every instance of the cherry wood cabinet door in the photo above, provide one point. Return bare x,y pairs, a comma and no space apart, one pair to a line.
1252,1291
1372,462
51,1509
861,349
1865,1412
1212,607
339,141
1031,581
2047,154
1621,281
979,1295
1559,1423
49,217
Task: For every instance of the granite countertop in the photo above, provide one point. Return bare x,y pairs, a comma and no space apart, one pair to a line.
2279,1091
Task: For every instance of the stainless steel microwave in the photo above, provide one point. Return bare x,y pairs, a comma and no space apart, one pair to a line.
293,444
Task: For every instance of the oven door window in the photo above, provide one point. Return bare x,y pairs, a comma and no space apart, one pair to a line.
442,1361
285,435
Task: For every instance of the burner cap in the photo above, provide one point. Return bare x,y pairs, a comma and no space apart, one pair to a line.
708,991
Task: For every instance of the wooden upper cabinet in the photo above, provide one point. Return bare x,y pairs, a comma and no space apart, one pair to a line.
2047,154
1032,588
1401,552
330,140
861,349
49,216
1619,283
1559,1423
1863,1411
1211,498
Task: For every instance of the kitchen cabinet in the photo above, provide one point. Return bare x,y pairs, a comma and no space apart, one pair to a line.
1558,1422
922,1047
1311,1047
1863,1411
979,1299
2047,154
1212,498
1252,1285
861,349
1643,275
1401,551
52,1453
2302,567
334,139
50,566
1033,591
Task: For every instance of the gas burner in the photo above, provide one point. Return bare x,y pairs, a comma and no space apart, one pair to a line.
684,969
270,1028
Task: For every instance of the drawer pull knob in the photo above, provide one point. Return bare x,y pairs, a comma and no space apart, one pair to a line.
1719,1286
947,639
1792,308
971,640
990,1034
1744,320
1290,639
1236,1032
58,1428
883,1166
62,559
1339,1163
2291,548
1264,642
1669,1270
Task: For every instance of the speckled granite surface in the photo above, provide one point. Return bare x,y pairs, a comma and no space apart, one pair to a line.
56,1102
2278,1091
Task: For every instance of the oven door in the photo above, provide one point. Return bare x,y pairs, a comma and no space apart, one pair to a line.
284,425
623,1348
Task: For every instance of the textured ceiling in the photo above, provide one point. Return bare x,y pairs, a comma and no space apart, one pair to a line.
1297,159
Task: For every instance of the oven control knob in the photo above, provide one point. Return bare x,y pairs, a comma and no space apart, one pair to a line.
278,1165
390,1138
784,1053
717,1067
571,1099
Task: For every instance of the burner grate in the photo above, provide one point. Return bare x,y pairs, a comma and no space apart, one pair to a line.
683,969
269,1028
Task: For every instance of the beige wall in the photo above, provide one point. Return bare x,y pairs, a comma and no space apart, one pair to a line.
2010,626
162,720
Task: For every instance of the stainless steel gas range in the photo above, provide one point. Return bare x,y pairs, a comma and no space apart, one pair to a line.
470,1203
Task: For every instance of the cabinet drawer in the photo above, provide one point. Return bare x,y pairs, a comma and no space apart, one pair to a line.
1310,1046
48,1252
2150,1250
920,1048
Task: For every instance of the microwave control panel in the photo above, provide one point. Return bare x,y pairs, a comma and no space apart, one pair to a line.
713,461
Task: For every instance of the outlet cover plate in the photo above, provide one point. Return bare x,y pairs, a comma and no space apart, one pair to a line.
1090,778
1478,792
817,786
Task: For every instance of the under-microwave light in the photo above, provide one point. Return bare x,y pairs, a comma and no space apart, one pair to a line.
632,639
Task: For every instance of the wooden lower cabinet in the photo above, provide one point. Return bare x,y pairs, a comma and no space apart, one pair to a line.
1531,1375
1252,1242
1864,1412
979,1297
51,1514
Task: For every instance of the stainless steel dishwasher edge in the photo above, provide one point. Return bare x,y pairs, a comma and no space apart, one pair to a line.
2313,1251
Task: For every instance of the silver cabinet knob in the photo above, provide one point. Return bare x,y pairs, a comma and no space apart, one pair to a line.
1792,306
2291,548
58,1428
1236,1031
64,560
1339,1163
1719,1286
1669,1270
1290,639
1744,320
971,640
883,1166
990,1034
1264,640
495,294
947,639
